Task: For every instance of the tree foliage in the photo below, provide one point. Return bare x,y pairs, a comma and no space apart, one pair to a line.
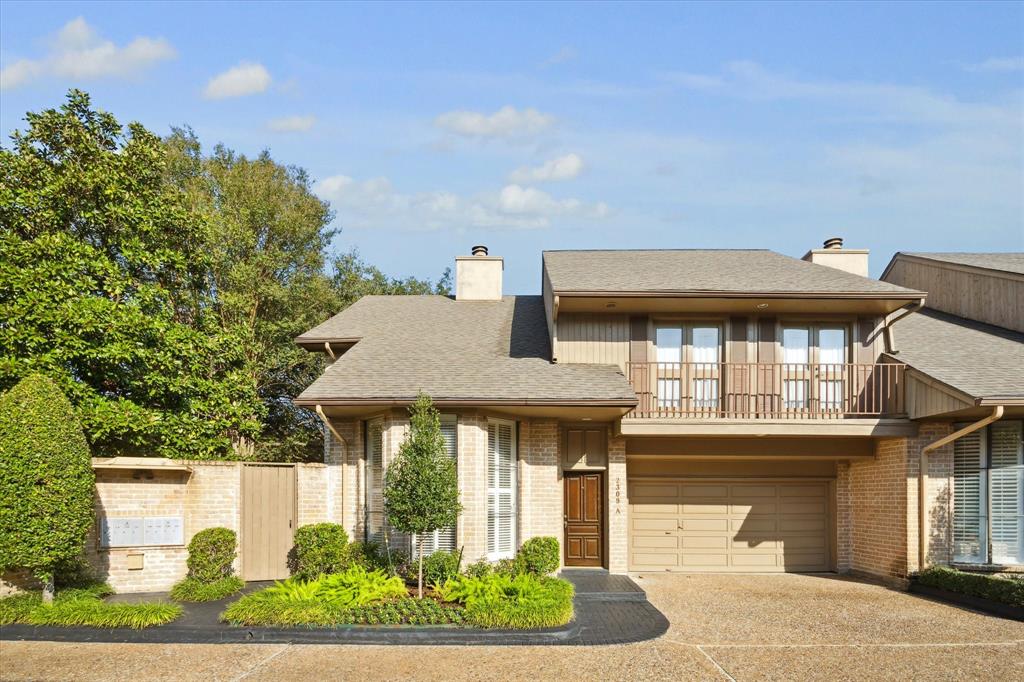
103,274
421,488
46,479
161,287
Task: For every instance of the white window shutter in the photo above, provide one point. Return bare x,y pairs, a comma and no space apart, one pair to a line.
375,481
1006,492
501,490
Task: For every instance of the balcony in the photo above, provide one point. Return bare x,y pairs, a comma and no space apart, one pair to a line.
687,392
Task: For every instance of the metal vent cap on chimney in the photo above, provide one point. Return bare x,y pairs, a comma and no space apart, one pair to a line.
481,250
834,243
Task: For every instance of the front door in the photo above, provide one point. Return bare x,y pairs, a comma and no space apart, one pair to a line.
584,519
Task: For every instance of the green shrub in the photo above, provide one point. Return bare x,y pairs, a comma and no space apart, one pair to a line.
440,566
479,569
194,590
46,479
84,607
1006,590
520,602
378,557
320,549
540,555
211,554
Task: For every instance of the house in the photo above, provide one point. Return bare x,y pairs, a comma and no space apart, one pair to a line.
699,410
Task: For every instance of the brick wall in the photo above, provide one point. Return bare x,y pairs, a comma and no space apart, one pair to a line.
618,504
883,503
208,497
844,511
541,495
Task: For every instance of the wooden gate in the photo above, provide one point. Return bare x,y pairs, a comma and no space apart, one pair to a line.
268,520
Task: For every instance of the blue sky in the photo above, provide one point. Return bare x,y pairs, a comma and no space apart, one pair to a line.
432,127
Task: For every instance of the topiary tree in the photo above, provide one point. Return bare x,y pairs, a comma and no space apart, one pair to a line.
421,488
539,555
46,480
211,554
320,549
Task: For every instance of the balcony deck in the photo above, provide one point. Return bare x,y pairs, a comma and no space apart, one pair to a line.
767,398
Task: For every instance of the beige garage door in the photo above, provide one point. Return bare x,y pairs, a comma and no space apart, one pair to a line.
729,526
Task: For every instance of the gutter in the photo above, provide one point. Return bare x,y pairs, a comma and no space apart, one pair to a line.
922,479
887,329
330,492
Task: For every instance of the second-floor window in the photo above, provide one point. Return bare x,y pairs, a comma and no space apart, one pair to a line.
688,356
813,366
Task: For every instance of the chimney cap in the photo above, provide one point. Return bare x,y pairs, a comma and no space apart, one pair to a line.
479,250
834,243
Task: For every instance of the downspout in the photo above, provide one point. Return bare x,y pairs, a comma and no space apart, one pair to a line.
329,425
327,347
890,345
922,479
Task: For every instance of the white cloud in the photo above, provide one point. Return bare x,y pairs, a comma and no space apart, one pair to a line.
879,101
565,54
245,79
375,203
562,168
292,124
507,122
998,64
78,52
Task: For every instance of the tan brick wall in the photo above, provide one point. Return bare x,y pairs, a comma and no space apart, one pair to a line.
883,505
541,497
878,511
844,513
471,530
209,497
618,504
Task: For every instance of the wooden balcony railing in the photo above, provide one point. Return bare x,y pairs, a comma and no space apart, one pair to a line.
754,390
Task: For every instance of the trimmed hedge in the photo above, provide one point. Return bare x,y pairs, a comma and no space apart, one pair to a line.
540,555
211,554
1005,590
46,479
320,549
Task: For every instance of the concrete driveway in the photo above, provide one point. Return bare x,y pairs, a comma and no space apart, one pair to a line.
791,627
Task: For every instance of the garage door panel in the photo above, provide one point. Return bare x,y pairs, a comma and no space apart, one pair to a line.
645,524
655,491
695,524
643,542
749,526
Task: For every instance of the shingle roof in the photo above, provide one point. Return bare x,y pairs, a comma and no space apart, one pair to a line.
455,350
755,271
1005,262
981,360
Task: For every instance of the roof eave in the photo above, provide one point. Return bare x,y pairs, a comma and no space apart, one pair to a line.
908,294
400,401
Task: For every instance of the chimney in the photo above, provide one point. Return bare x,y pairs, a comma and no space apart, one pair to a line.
478,277
833,255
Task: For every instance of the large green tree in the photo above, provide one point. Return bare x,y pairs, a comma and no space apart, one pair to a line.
104,274
267,234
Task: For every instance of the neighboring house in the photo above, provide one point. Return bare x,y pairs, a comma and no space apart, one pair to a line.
696,410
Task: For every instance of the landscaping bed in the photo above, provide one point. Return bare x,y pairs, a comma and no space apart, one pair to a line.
999,595
84,607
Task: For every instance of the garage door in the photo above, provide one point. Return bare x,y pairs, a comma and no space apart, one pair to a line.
729,526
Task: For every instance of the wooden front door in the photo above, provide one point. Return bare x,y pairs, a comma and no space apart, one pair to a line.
268,520
584,519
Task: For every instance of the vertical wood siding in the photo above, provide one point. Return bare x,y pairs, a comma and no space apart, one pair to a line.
594,338
996,298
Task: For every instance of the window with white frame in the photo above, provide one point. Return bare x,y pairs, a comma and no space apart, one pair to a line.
442,539
688,356
814,366
501,489
988,495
